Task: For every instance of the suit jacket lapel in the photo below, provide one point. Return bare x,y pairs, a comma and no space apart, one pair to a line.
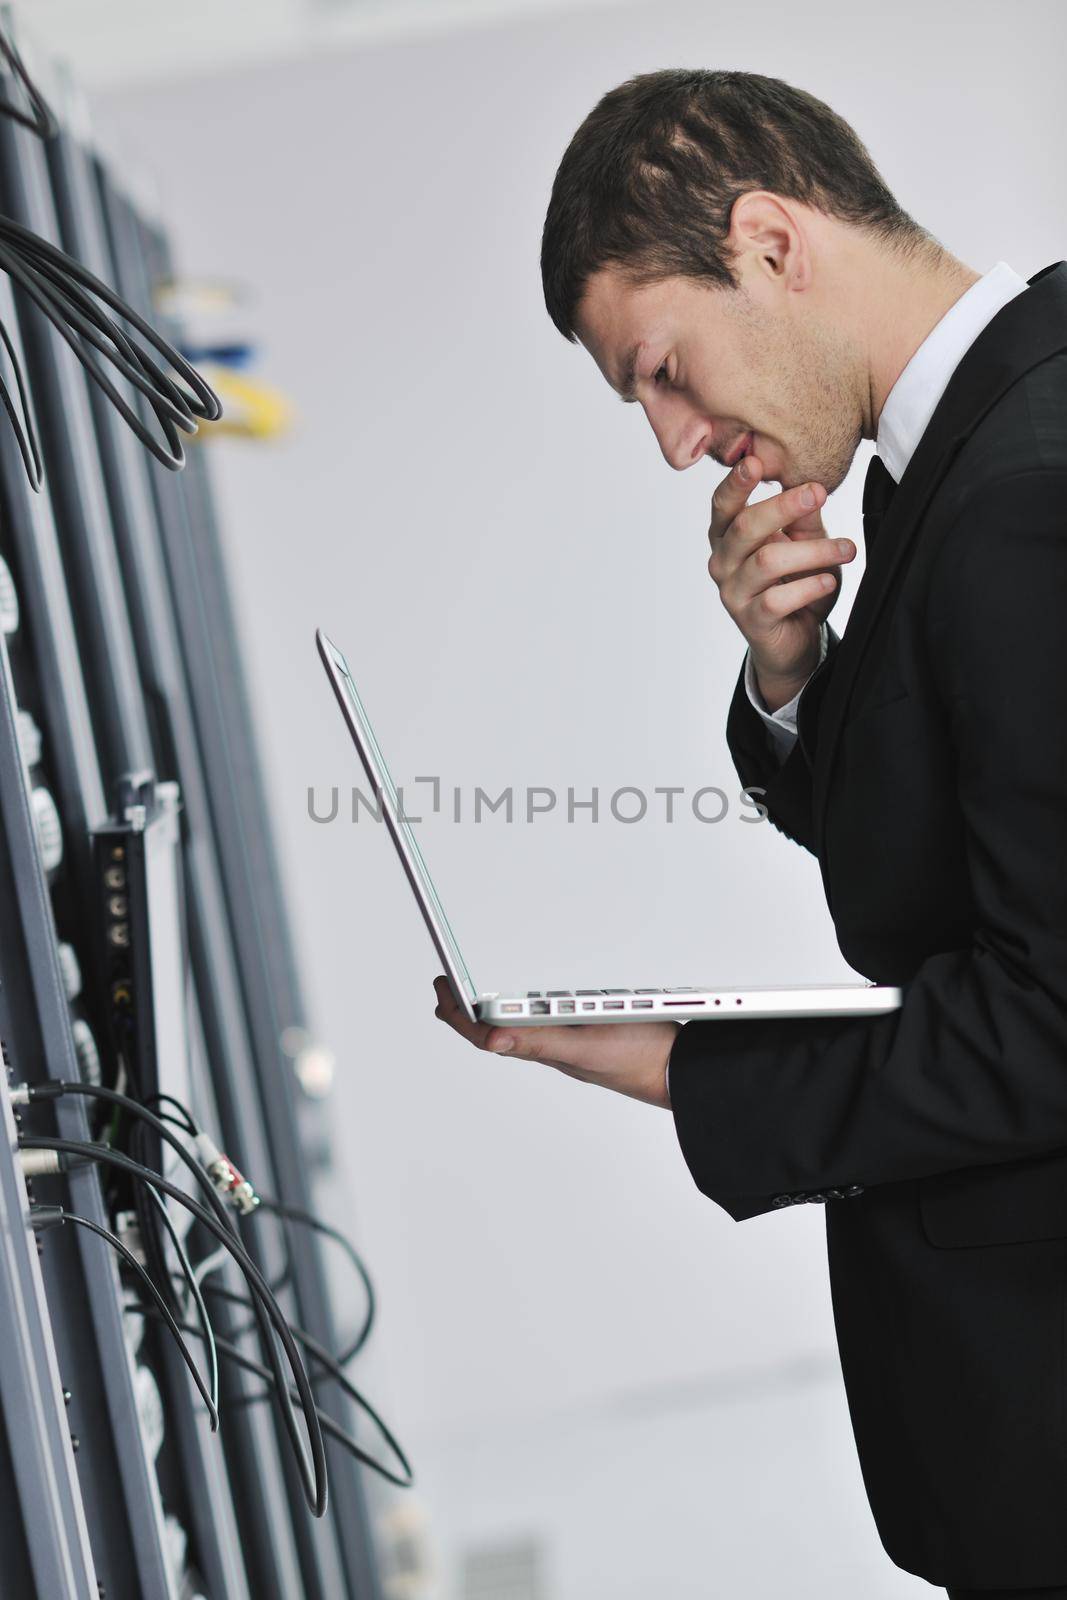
1027,331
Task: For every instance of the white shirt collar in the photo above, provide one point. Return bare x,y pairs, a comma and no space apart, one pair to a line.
910,403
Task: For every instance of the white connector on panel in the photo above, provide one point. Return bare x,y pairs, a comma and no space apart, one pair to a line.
39,1163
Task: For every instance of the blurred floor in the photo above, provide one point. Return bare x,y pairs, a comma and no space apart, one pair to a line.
746,1488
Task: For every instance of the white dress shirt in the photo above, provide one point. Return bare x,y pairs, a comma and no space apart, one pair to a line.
908,408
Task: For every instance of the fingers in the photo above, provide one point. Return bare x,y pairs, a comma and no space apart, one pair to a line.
448,1010
770,567
526,1044
790,519
793,507
499,1040
732,493
770,563
800,507
782,599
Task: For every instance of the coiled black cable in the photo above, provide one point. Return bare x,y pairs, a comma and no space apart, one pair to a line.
69,295
329,1426
332,1367
47,1215
297,1215
307,1219
162,1123
313,1475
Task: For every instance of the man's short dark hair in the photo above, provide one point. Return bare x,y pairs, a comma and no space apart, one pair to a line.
648,182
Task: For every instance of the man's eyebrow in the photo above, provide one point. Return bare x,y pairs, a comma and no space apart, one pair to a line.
629,377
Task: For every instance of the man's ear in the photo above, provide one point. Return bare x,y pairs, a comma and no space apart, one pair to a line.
765,232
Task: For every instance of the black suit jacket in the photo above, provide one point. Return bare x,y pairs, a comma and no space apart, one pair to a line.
930,779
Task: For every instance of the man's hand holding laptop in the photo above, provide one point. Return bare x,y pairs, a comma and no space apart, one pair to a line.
629,1057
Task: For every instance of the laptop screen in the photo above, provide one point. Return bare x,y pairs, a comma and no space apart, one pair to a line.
400,829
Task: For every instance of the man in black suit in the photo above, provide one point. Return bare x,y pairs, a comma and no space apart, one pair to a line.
726,251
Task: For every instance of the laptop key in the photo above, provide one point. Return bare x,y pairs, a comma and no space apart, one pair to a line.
559,994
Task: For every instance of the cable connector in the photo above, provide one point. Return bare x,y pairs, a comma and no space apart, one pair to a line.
23,1094
230,1182
45,1216
44,1163
40,1163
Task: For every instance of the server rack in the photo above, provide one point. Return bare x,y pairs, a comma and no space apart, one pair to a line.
125,658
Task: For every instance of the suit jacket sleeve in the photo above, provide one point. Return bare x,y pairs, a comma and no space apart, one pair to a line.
972,1070
783,787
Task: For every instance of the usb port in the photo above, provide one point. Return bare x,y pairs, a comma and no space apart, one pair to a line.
512,1008
565,1007
641,1005
613,1005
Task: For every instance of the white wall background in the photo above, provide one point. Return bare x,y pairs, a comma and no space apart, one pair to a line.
577,1346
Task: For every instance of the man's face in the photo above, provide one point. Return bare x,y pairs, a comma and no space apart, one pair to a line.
724,372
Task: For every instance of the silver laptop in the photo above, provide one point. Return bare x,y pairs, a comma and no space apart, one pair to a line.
555,1006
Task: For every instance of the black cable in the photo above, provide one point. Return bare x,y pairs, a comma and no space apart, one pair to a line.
40,119
264,1304
25,274
54,1089
282,1281
203,402
153,1241
164,1310
186,1123
168,1100
329,1426
287,1212
332,1368
74,301
198,1299
22,427
70,296
308,1220
296,1214
313,1478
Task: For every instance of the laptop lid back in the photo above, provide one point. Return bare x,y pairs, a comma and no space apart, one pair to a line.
407,849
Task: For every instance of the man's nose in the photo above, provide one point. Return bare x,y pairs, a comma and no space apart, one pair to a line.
682,440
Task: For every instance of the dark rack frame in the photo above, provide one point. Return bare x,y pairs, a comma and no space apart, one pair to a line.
129,656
